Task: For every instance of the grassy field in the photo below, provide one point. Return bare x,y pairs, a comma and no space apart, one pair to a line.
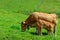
14,11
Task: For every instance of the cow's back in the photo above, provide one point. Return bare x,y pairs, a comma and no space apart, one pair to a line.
45,16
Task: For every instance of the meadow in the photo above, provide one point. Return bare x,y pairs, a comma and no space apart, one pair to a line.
14,11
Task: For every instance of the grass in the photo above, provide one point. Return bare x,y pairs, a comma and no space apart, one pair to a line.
27,6
14,11
10,29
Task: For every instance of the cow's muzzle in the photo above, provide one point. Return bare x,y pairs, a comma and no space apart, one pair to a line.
22,30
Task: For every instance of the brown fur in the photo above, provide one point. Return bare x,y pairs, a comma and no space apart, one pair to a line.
40,20
50,27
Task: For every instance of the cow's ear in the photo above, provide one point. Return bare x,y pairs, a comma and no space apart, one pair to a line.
23,22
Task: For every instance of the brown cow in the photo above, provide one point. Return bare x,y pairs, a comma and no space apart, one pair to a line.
37,18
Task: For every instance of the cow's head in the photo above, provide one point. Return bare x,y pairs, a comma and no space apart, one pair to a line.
23,26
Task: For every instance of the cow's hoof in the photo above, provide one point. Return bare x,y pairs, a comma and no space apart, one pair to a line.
55,35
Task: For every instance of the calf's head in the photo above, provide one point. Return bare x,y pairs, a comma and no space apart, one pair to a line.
23,26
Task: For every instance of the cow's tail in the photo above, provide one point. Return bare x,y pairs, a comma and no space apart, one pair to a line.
54,31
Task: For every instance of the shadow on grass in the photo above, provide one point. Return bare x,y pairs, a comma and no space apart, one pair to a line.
34,33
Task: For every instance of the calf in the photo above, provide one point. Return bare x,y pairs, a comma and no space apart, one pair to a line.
50,27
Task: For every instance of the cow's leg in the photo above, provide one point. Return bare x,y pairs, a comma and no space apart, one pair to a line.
49,31
28,27
39,29
52,31
36,30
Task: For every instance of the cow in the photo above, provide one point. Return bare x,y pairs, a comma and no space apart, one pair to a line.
39,19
